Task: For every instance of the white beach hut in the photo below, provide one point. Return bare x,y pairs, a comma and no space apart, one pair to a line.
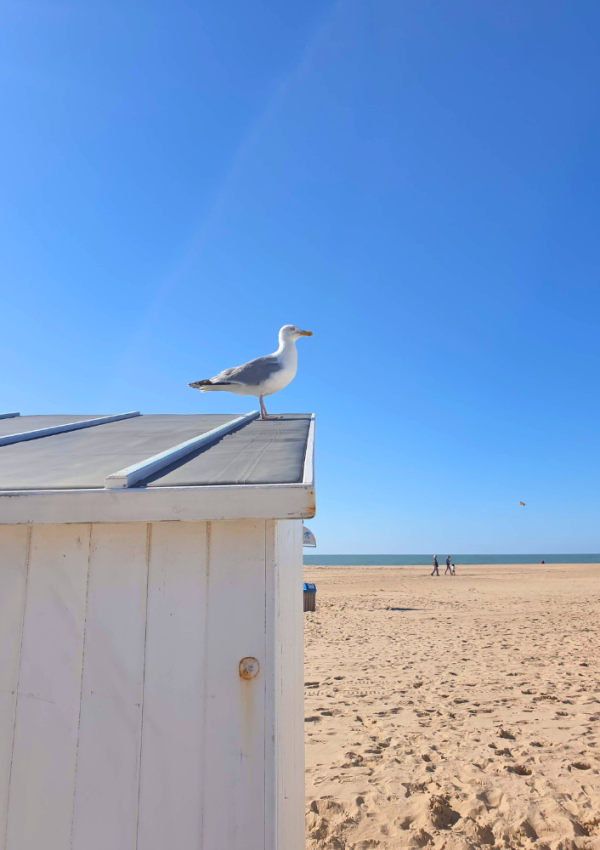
151,681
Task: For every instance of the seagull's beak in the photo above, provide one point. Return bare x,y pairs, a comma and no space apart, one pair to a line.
306,333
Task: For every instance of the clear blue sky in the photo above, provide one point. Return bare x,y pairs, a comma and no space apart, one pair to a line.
416,182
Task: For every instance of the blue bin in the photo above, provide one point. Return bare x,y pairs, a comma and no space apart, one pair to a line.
310,596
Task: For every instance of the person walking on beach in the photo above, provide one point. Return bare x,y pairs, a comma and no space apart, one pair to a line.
448,566
436,571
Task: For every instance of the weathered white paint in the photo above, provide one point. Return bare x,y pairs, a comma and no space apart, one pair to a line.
134,728
234,721
138,471
8,415
42,782
174,689
156,504
108,757
68,426
308,476
285,712
14,558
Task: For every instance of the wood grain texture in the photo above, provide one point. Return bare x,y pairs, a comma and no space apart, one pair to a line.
234,725
42,783
133,726
172,743
106,790
14,557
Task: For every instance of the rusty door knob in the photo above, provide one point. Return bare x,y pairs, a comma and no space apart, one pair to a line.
249,668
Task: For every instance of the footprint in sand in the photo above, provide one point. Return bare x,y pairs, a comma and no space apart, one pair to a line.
520,770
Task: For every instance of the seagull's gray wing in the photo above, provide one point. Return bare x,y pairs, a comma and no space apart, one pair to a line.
250,374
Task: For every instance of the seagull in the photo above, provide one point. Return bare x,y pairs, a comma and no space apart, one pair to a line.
262,376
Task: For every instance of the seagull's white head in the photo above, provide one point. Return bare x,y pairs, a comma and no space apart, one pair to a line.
290,333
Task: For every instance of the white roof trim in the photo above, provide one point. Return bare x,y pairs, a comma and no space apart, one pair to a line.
138,471
308,473
59,429
8,415
155,504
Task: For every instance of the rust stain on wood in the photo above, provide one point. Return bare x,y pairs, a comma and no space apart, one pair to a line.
249,668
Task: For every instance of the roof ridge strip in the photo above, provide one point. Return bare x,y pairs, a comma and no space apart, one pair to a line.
8,415
130,475
68,426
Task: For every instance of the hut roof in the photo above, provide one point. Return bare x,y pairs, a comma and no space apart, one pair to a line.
122,454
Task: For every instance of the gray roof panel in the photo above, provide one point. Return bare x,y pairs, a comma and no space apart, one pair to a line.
83,459
262,452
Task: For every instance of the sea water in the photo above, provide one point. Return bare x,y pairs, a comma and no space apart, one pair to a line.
405,560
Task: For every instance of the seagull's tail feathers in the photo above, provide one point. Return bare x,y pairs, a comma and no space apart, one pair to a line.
208,385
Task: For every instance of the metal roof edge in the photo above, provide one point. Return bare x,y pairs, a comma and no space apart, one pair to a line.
308,469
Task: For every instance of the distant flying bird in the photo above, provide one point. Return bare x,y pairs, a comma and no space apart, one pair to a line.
262,376
522,503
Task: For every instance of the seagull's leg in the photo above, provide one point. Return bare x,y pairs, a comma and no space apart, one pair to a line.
263,410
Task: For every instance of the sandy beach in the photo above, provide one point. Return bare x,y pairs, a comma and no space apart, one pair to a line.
453,712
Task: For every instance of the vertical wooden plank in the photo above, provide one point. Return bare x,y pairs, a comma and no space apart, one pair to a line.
284,811
14,546
271,684
107,779
40,802
234,727
291,820
171,778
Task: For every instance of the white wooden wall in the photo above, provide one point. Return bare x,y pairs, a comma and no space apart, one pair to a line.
124,722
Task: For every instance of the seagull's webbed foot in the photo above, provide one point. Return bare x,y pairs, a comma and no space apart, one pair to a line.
263,411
